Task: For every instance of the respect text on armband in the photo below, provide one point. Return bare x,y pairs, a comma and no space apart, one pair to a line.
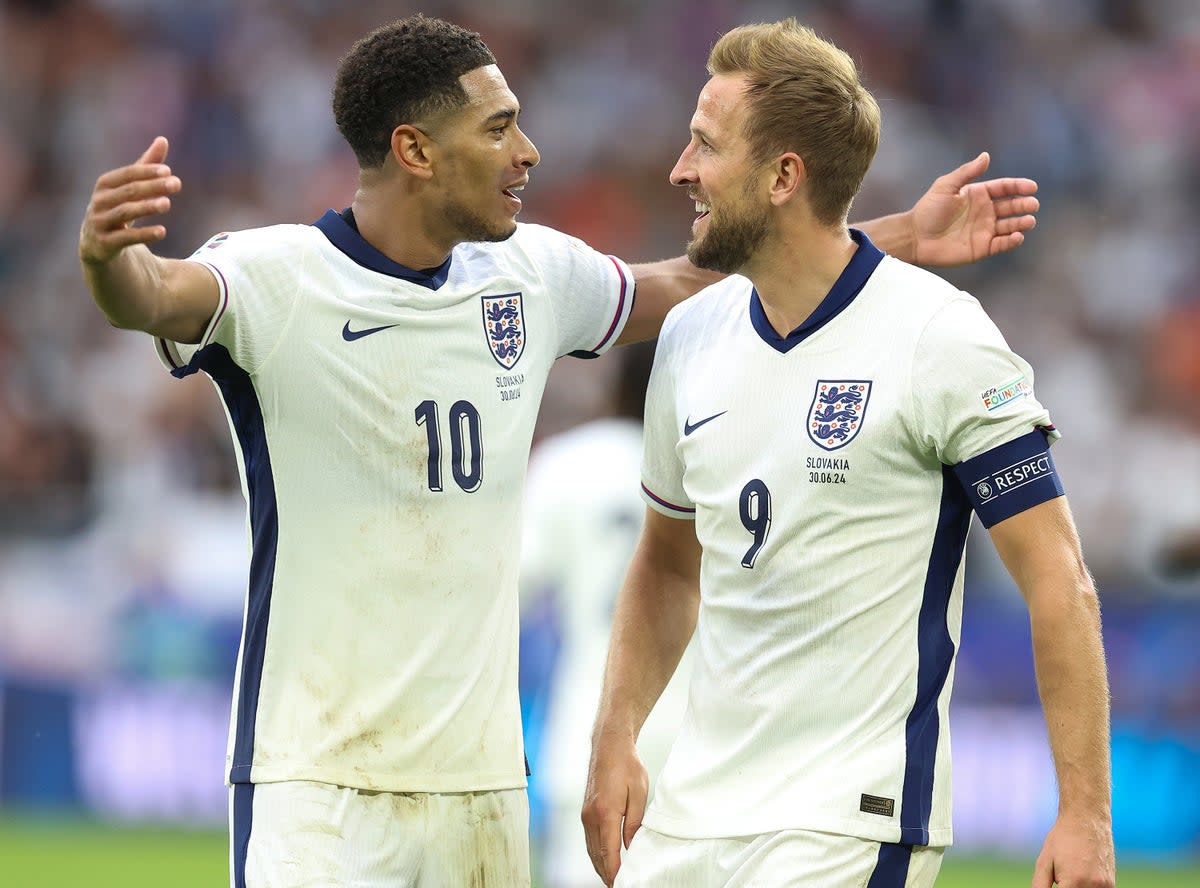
1012,477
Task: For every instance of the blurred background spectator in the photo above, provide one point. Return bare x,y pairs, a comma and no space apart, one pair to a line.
122,530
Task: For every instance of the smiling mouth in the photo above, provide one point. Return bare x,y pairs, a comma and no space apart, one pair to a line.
702,210
512,192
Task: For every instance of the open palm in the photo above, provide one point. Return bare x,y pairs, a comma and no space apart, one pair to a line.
959,220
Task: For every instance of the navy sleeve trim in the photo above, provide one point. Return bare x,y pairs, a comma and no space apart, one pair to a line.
1011,478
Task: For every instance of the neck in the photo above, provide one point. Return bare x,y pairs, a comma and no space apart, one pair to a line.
796,269
395,223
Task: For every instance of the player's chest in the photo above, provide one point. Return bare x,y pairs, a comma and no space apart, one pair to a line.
490,346
830,424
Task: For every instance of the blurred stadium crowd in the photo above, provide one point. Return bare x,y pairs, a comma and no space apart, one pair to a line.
121,525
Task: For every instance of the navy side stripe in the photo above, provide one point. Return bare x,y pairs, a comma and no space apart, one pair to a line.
239,831
935,652
891,870
242,402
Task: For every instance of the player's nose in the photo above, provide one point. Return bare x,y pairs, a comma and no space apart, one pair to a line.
527,154
682,173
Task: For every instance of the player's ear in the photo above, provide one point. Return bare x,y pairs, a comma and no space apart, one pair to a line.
411,150
787,174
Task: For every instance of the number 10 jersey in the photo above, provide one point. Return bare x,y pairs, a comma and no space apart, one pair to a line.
382,419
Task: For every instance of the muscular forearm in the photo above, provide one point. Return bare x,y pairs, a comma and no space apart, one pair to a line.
1072,682
126,287
893,234
654,620
137,290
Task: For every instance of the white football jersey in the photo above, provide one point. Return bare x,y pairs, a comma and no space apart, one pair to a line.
382,418
832,474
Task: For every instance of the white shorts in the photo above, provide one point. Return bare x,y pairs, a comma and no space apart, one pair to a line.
788,859
315,835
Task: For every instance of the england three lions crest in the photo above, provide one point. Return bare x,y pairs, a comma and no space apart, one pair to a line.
504,326
838,409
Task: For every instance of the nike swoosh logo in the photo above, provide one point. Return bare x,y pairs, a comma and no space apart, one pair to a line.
351,335
689,427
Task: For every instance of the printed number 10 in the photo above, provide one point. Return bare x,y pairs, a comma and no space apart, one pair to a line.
464,433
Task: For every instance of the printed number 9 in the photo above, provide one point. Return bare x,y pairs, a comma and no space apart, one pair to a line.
755,508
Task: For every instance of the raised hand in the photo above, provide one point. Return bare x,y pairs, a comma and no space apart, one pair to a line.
959,220
122,197
134,288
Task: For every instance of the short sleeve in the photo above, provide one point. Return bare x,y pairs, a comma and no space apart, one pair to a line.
974,406
592,293
256,273
662,468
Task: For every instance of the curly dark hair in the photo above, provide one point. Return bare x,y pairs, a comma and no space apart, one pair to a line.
400,73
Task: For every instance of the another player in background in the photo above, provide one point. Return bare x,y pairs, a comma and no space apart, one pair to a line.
382,370
583,516
817,435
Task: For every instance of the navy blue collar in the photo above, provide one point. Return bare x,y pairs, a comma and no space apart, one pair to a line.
343,234
852,279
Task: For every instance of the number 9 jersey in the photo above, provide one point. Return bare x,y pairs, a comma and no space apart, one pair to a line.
831,474
382,418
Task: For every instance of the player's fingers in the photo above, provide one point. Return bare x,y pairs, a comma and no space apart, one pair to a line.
604,846
127,237
1009,186
600,828
1043,872
1015,223
123,214
137,190
612,858
132,173
968,172
600,856
635,810
157,152
1016,206
1005,242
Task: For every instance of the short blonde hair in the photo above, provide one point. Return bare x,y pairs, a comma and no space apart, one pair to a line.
804,96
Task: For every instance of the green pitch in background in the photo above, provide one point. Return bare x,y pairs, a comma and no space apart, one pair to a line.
55,854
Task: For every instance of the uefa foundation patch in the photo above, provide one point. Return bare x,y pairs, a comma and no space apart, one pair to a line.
997,396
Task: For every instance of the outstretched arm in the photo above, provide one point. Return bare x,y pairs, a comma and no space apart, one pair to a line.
134,288
1041,550
957,221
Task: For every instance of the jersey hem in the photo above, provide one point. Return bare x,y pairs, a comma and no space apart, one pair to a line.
693,829
390,783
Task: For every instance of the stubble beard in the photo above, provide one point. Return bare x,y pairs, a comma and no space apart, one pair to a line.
730,241
472,227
